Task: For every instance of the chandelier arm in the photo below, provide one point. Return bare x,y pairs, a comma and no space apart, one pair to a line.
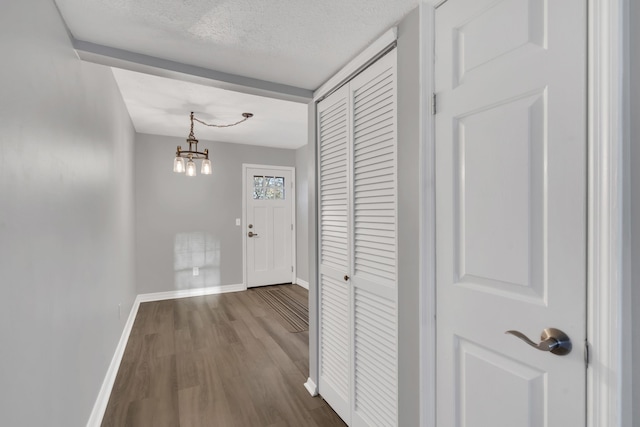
198,155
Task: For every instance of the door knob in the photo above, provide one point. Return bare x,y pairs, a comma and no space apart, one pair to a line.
551,339
251,234
346,277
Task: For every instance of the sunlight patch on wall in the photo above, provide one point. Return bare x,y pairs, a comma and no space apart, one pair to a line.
196,250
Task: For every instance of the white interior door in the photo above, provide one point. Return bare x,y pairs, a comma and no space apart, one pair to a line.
270,200
510,210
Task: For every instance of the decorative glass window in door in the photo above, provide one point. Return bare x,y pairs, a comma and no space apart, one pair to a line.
268,188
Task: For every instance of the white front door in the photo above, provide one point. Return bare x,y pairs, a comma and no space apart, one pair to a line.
268,226
510,210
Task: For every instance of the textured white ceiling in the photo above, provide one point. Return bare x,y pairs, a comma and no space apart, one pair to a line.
299,43
161,106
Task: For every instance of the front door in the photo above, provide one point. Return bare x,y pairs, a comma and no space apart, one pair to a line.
511,211
268,226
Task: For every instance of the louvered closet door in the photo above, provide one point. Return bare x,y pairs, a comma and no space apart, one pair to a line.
374,276
358,273
335,293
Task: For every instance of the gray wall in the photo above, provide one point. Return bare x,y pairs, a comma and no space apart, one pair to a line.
66,220
182,222
635,202
302,214
409,219
312,224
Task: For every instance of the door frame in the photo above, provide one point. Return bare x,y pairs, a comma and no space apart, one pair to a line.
608,286
292,192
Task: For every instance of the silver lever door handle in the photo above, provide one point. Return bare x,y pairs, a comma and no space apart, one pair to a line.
551,339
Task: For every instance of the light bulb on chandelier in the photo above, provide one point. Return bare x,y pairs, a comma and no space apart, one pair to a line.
192,153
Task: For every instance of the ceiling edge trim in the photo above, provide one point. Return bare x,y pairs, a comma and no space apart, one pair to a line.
119,58
378,46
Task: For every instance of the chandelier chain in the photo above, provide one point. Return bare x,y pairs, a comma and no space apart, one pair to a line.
245,118
191,134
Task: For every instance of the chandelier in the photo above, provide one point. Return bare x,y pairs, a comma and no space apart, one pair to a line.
193,153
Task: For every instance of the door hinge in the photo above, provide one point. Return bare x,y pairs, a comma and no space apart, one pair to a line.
291,227
587,355
292,268
433,104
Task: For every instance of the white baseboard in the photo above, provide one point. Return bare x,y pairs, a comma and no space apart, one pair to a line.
186,293
95,419
311,387
302,283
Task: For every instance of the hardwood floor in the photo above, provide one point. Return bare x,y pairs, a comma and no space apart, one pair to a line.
216,360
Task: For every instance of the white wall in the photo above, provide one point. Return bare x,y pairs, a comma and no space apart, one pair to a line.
66,220
302,213
182,222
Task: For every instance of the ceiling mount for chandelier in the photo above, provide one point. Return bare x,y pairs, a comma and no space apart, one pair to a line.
193,153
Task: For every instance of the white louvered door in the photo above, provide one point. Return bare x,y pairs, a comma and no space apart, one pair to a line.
335,293
359,211
374,278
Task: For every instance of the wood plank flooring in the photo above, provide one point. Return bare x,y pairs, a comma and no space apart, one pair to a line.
216,360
